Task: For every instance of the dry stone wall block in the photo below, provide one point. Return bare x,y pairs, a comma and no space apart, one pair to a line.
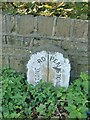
25,25
18,63
80,29
10,23
45,25
63,27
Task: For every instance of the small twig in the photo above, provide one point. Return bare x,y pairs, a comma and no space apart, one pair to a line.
67,101
59,113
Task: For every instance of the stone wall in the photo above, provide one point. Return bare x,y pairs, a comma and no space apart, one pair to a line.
21,34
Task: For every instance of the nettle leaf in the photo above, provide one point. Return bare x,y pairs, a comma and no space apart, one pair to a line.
6,111
83,115
41,109
49,100
84,76
21,98
85,86
70,108
79,114
50,109
14,115
78,82
73,114
0,108
59,94
83,109
5,115
10,106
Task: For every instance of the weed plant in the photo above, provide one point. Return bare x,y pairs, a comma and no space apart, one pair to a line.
23,100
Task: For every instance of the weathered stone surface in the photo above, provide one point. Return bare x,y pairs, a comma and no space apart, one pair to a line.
1,41
68,45
0,50
25,24
77,53
82,46
80,29
11,40
75,46
83,68
18,63
63,27
10,23
82,40
45,25
27,42
48,66
0,61
0,23
5,61
80,60
45,41
3,23
15,51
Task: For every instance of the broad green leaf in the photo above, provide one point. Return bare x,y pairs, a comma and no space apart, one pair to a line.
41,109
59,94
73,114
83,109
70,107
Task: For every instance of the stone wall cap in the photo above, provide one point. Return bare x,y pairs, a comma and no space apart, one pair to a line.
49,48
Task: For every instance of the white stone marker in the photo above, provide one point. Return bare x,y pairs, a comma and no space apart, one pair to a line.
48,66
59,72
37,67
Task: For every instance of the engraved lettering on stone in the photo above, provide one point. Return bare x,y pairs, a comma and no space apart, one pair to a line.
37,65
59,68
37,75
